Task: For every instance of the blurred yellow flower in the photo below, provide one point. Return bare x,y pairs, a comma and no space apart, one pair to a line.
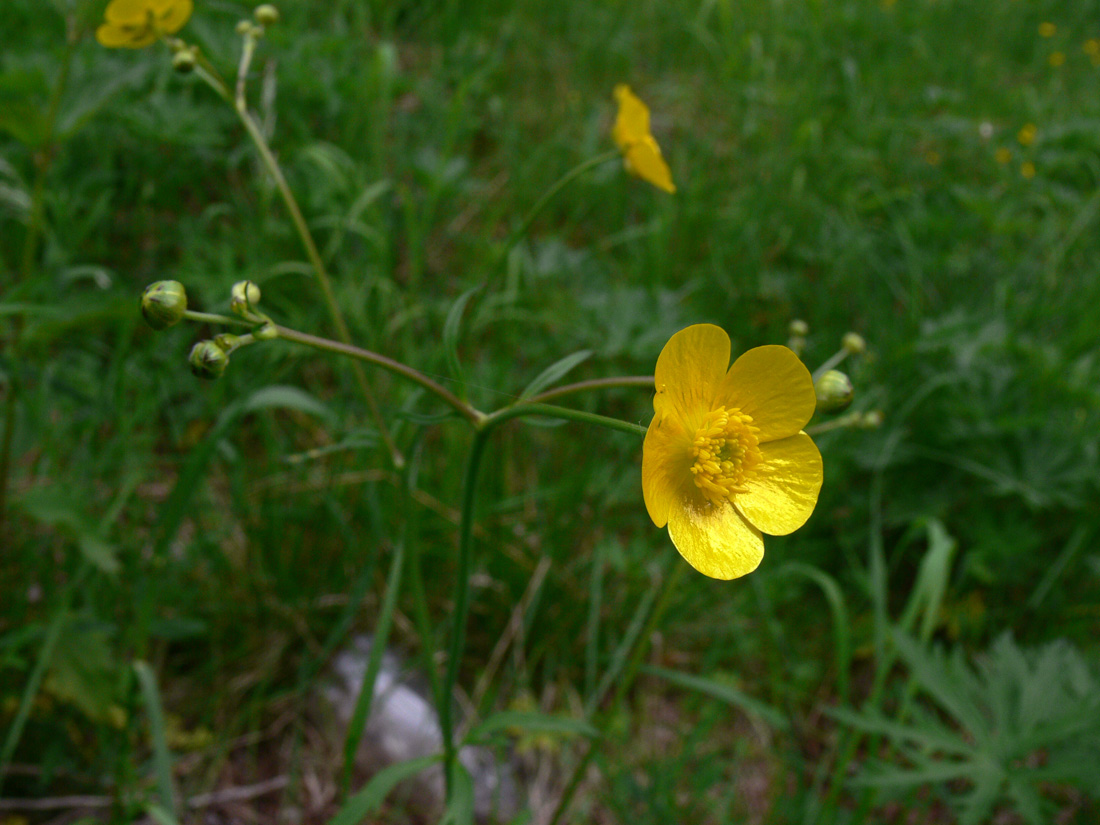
1027,134
134,24
1047,29
725,458
1003,155
641,154
1027,169
1092,49
1057,59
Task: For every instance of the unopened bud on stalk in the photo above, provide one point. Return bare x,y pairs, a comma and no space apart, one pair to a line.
265,332
228,342
798,328
872,420
208,360
853,342
183,61
244,27
834,391
797,344
266,15
163,304
243,296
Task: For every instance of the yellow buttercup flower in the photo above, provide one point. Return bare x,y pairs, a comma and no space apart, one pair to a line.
641,154
725,459
134,24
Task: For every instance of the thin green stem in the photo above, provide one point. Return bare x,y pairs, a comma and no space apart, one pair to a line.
645,381
240,105
552,411
361,712
465,550
549,195
462,600
474,416
211,318
834,360
641,647
852,419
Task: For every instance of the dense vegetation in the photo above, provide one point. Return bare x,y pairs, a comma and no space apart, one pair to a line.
927,643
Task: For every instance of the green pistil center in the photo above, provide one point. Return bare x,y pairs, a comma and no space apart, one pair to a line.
726,449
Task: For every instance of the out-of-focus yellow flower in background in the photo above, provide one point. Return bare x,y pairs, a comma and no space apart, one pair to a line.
641,154
1091,47
134,24
1027,134
1057,59
725,459
1027,169
1047,29
1003,155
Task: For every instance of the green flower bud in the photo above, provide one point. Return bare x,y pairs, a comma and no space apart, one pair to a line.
798,328
266,15
227,342
265,332
243,296
208,360
244,27
183,61
853,342
872,420
163,304
834,391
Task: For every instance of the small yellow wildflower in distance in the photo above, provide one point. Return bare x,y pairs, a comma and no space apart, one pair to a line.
135,24
1003,155
725,459
1057,59
1027,169
641,154
1092,49
1027,134
1047,29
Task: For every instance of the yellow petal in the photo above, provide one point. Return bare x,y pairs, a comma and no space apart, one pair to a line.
715,539
774,387
172,14
666,467
632,121
128,11
125,37
644,159
783,489
689,371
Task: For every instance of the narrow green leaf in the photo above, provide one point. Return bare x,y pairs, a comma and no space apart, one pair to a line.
901,733
451,329
160,815
367,801
531,721
162,759
460,807
931,585
101,554
363,701
555,372
285,397
841,628
722,692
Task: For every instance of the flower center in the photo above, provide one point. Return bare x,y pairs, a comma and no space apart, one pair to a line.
726,450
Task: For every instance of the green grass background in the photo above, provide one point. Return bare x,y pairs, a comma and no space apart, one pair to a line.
836,162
